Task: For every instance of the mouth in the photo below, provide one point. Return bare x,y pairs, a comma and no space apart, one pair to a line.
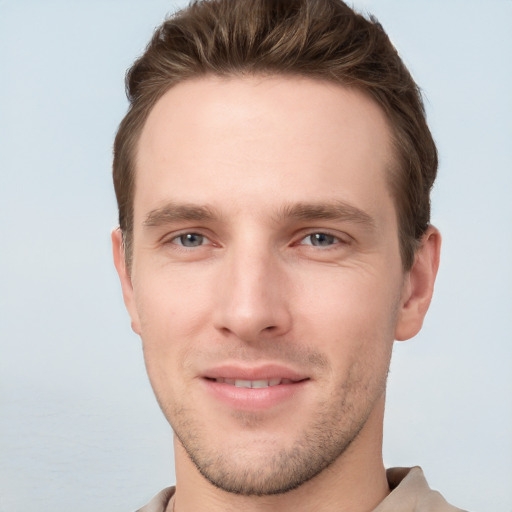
257,388
254,384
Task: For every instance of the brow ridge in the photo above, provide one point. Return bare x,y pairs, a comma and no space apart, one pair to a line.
302,211
172,212
337,210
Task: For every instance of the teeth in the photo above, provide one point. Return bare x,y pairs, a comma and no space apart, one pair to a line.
239,383
243,384
260,384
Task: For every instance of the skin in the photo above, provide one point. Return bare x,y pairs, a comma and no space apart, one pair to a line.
265,233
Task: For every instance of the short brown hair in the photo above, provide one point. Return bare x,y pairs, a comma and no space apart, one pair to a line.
322,39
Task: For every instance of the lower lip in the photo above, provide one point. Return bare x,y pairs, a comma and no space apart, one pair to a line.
254,399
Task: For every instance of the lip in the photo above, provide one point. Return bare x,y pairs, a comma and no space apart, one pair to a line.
253,399
260,372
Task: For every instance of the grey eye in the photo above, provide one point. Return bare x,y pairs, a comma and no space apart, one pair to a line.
190,240
321,239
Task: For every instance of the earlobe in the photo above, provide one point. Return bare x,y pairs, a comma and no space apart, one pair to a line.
125,278
419,286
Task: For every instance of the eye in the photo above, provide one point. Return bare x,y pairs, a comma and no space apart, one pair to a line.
320,240
190,240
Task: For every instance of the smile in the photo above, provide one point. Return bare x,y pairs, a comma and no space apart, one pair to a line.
258,384
255,388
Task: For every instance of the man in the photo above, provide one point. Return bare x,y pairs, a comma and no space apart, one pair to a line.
273,177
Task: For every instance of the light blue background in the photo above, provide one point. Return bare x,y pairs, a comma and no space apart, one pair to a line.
79,427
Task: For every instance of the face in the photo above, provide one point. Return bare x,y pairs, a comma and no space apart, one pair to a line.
266,283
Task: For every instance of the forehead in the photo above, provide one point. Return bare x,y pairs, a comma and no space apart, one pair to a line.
259,140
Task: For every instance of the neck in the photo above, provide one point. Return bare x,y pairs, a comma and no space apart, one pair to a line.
355,482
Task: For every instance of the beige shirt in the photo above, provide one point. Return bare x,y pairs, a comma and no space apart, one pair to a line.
409,493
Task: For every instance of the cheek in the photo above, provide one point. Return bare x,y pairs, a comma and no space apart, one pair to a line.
352,296
173,315
171,303
350,311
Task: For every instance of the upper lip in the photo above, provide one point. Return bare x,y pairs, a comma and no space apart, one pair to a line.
260,372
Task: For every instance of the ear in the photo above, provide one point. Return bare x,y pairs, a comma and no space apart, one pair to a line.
419,286
125,278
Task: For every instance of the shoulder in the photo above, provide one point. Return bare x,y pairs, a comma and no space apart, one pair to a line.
410,492
159,502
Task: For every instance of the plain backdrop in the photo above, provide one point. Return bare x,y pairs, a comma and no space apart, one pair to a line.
79,427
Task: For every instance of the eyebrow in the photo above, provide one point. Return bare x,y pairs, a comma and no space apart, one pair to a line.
337,210
172,212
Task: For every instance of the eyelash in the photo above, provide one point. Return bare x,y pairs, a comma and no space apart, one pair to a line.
188,233
334,240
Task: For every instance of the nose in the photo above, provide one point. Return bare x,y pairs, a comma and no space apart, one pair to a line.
253,301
